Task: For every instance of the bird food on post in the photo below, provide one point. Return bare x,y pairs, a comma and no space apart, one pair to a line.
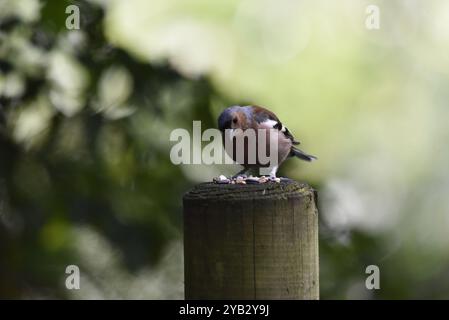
245,180
222,180
252,180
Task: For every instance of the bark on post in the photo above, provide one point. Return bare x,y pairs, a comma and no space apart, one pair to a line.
251,241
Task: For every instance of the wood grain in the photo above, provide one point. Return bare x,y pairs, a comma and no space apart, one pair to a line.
251,241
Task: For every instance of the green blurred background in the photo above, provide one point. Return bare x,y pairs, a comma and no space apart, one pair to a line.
85,118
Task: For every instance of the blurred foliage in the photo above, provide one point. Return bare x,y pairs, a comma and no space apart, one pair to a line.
83,141
85,118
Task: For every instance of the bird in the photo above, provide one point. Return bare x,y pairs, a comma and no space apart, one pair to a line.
234,123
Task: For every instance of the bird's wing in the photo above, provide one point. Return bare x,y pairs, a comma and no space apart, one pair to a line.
262,115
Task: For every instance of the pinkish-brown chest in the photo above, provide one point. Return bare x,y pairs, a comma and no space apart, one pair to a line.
252,150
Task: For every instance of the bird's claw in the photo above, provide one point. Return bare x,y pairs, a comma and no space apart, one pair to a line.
244,176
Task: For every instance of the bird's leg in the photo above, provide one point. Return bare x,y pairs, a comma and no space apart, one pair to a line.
273,172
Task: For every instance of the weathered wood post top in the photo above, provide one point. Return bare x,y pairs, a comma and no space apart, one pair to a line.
257,241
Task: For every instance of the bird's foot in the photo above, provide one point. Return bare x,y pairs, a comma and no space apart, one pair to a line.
242,175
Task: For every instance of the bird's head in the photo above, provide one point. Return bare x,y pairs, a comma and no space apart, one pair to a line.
232,118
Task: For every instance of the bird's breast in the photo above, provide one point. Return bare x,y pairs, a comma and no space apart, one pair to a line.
257,148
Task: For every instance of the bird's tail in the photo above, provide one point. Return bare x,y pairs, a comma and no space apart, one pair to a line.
295,152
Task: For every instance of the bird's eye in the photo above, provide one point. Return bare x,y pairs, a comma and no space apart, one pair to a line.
234,120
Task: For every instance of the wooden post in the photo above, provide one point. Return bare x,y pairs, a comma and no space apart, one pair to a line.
251,241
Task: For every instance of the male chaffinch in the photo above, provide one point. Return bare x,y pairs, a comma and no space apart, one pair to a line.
254,118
